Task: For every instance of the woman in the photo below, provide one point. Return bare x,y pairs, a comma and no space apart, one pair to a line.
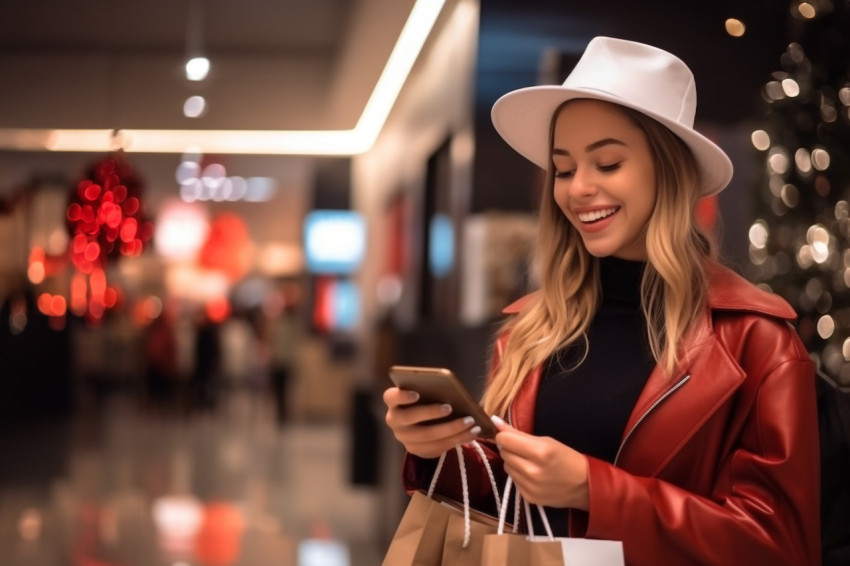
645,393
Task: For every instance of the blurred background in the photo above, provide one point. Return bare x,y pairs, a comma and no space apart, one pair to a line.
223,220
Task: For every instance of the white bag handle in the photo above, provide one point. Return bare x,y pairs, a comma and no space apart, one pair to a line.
464,483
503,511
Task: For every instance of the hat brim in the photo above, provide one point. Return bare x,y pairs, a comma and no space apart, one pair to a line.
523,117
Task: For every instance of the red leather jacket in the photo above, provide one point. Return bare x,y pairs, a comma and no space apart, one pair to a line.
718,465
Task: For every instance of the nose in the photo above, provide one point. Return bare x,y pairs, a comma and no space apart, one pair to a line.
583,185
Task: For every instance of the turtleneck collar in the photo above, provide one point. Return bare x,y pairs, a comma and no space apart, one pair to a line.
620,280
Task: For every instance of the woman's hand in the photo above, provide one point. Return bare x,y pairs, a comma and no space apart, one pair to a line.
425,440
545,471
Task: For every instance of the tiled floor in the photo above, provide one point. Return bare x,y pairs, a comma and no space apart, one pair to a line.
230,487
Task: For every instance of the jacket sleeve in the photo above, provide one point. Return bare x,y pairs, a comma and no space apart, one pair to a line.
761,509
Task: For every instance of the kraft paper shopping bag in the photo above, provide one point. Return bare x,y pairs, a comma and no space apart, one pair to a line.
455,552
419,537
437,531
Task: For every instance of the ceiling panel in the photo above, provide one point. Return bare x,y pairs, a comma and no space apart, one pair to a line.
163,25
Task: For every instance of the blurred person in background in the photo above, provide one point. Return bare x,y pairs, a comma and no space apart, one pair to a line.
645,393
206,378
161,356
284,337
241,354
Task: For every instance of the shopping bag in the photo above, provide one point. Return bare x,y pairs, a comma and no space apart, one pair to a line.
501,549
558,551
419,537
437,531
460,549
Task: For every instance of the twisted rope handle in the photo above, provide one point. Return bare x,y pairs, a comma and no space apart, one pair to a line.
503,511
543,517
437,471
464,482
489,469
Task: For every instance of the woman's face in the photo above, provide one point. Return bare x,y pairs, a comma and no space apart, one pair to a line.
604,178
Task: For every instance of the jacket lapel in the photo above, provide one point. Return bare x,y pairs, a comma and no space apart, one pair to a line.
668,413
666,417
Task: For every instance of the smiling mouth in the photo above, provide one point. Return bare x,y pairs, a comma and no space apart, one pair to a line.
597,215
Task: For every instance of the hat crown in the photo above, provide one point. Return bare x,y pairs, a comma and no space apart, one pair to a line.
652,79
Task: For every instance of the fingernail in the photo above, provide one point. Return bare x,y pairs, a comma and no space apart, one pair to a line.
446,409
498,421
413,396
475,431
468,420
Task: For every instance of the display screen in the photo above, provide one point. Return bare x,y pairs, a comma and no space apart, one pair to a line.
334,241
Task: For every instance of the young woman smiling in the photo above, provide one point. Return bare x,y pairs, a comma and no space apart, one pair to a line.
644,393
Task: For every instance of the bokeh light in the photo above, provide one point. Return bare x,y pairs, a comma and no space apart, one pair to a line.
195,106
735,27
760,139
197,68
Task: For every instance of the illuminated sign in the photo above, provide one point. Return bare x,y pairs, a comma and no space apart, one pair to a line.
334,241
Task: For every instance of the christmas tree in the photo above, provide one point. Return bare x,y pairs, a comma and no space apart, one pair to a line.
800,241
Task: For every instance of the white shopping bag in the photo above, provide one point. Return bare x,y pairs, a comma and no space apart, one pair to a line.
586,551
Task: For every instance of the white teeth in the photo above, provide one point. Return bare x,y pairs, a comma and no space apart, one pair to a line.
596,214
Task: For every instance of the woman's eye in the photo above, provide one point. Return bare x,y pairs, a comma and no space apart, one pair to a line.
609,168
563,174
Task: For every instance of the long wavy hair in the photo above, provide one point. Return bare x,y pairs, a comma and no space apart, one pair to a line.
673,288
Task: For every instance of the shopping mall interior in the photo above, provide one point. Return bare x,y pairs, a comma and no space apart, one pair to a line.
207,269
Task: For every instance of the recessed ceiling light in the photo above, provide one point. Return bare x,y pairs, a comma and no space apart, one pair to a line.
197,68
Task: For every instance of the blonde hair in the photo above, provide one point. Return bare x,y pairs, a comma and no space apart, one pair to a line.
673,288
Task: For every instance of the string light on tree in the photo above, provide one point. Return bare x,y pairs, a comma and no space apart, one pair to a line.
799,245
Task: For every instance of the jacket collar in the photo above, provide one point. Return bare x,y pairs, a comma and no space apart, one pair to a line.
728,291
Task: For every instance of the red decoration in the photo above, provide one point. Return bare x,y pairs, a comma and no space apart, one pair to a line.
228,247
105,219
105,215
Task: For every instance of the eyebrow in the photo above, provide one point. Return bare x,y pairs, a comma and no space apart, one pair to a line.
591,147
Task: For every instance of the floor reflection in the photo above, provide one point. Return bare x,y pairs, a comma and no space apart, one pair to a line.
227,487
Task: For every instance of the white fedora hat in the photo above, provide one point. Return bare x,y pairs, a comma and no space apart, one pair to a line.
644,78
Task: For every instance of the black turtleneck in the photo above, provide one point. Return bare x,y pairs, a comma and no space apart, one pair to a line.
586,407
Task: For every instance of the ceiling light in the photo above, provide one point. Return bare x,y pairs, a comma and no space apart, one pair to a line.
407,48
197,68
194,106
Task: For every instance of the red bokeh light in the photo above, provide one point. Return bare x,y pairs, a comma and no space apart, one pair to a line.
105,219
218,540
218,309
228,248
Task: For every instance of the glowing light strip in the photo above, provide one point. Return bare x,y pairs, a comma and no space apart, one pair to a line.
416,30
413,35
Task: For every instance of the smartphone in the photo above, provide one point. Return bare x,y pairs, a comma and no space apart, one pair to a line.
440,385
